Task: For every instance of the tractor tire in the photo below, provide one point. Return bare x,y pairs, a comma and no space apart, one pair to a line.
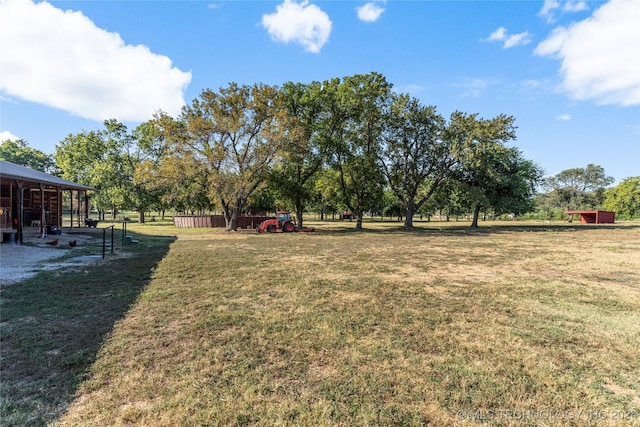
288,227
271,228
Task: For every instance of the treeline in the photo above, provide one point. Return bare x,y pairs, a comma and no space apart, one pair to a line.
586,189
343,144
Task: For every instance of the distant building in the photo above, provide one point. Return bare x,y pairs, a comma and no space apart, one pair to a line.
594,217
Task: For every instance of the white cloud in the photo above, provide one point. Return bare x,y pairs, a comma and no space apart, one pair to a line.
370,12
302,22
517,40
510,40
5,135
61,59
550,7
497,35
575,6
599,54
563,117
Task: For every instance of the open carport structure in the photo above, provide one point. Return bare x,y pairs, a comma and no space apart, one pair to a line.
31,198
594,217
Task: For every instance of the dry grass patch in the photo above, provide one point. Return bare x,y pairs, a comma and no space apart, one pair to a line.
383,327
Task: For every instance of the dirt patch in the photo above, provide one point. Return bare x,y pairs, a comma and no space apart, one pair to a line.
19,262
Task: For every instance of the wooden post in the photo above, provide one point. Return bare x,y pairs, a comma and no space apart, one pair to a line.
59,196
42,211
20,210
86,204
71,207
11,217
79,204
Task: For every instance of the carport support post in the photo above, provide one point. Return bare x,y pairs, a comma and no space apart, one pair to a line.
42,211
59,222
20,211
86,203
79,204
71,207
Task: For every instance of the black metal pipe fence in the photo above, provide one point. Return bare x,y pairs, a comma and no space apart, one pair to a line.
104,239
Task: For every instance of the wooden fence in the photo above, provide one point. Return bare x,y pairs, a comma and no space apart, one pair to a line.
208,221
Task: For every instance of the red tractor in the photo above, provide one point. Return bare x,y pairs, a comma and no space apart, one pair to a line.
281,222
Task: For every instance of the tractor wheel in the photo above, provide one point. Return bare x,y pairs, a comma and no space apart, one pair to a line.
271,228
288,227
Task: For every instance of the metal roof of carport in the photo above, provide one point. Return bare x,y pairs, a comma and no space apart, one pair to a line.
12,171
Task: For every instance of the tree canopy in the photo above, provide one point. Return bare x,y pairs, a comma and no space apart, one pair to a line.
302,155
232,137
578,188
492,174
111,161
624,199
348,143
416,157
352,126
20,153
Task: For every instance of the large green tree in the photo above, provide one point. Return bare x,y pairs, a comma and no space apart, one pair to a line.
19,152
141,151
352,125
416,159
88,159
302,154
232,138
624,198
492,175
181,179
109,160
577,188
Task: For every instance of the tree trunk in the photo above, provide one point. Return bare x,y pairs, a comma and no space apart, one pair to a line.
141,217
299,215
359,221
227,217
408,220
476,214
232,224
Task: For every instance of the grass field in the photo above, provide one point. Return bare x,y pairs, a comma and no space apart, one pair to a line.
509,324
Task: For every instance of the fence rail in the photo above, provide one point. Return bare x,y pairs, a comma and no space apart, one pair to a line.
208,221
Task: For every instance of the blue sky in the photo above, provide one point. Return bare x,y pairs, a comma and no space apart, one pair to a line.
567,70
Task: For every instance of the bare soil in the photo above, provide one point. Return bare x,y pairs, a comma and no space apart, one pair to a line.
21,261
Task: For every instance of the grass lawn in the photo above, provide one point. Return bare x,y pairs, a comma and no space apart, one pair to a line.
509,324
